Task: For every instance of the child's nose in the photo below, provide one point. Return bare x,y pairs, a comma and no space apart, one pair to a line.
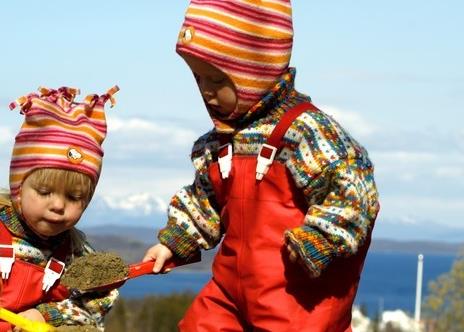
57,204
206,89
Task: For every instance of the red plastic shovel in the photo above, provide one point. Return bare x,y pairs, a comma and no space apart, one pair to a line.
136,270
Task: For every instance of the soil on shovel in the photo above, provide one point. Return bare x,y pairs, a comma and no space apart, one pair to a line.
81,328
94,270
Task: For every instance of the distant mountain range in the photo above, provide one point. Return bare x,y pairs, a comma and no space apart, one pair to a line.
424,230
129,226
144,213
416,247
138,210
132,251
131,243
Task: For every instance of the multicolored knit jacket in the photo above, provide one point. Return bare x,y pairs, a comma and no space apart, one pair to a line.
332,170
85,310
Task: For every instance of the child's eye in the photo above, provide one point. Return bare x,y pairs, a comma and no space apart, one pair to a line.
42,191
218,80
75,197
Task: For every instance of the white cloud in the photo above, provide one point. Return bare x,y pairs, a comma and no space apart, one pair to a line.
459,139
408,220
417,171
354,122
450,172
407,177
408,208
6,135
119,124
159,182
406,157
141,203
142,132
6,144
139,142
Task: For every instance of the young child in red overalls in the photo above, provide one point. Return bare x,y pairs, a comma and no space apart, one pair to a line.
54,169
288,191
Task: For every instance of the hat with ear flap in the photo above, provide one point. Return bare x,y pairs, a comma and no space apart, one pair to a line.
58,132
249,40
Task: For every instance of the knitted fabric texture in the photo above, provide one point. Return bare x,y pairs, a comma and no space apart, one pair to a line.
58,133
331,168
89,309
249,40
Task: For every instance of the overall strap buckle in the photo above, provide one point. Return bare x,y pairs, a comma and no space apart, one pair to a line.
265,158
225,160
53,272
7,258
274,142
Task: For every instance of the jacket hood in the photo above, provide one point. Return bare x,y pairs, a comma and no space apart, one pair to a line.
250,41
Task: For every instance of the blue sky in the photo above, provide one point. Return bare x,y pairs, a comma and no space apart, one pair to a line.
391,72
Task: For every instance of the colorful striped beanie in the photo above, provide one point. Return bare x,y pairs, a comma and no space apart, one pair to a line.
59,133
249,40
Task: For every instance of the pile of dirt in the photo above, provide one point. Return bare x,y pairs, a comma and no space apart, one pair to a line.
94,270
80,328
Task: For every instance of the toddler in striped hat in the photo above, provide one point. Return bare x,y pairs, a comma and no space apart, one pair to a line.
249,42
55,166
284,190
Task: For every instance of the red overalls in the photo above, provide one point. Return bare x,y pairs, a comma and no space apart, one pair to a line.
254,286
23,289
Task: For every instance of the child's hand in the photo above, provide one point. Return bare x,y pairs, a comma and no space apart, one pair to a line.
296,258
160,254
31,314
293,255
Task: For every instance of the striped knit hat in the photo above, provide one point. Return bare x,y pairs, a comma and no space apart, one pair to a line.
249,40
58,133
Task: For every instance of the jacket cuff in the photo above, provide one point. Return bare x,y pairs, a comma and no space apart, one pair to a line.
313,248
51,313
179,241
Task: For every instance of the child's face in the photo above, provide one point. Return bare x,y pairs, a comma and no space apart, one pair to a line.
216,87
51,209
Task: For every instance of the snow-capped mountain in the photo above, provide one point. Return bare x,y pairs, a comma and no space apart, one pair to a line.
141,209
147,210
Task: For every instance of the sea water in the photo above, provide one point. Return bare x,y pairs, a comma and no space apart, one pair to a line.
388,281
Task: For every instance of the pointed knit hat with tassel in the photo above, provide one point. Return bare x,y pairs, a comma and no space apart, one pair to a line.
249,40
58,133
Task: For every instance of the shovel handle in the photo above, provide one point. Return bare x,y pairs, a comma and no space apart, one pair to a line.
24,323
138,269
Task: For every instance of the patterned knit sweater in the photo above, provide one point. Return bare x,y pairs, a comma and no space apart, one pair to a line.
332,170
85,310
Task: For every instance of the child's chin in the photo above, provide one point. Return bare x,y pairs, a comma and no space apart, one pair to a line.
216,110
42,235
46,233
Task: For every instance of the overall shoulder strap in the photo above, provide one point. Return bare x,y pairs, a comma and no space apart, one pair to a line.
7,254
5,235
269,149
286,121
